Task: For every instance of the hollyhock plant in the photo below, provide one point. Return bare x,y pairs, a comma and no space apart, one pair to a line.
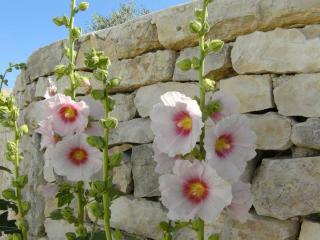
229,145
51,90
194,190
74,158
223,105
242,201
176,123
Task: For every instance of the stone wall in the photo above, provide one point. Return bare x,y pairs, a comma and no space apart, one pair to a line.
271,62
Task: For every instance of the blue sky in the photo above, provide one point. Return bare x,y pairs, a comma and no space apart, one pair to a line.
26,24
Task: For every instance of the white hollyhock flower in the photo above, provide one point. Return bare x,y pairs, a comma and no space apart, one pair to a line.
229,145
73,158
68,116
51,90
48,137
194,190
176,122
224,105
242,201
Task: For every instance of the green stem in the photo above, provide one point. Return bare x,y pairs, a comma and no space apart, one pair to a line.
80,206
106,197
21,214
200,232
2,79
72,53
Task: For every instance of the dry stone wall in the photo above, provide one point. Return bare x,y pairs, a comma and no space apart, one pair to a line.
271,62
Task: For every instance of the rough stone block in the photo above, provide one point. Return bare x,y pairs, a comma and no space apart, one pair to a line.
253,91
298,95
287,188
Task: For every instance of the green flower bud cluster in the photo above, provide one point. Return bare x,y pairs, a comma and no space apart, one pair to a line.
9,115
10,68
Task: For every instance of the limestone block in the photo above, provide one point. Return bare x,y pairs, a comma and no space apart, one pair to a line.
144,70
306,134
287,188
273,131
146,97
138,216
127,40
217,65
144,177
43,61
231,18
134,131
299,95
278,51
124,109
299,152
256,228
253,91
309,230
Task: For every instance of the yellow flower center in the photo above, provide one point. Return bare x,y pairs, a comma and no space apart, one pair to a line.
78,156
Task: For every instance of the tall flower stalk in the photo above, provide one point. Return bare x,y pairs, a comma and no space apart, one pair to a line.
199,181
9,114
99,63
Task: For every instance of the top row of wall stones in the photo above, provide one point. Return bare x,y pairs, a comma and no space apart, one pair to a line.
168,29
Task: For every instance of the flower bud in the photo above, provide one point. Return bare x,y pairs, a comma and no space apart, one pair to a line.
208,84
114,82
216,45
83,6
59,21
185,64
24,129
76,32
195,26
109,123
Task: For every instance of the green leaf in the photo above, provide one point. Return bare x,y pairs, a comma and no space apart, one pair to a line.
9,194
56,215
5,169
71,236
98,94
67,214
64,198
115,160
117,234
96,141
96,209
164,226
25,207
214,237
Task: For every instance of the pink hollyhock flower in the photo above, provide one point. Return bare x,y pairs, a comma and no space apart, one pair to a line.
48,137
74,158
242,201
194,190
94,129
229,145
68,116
96,107
224,105
176,122
51,90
